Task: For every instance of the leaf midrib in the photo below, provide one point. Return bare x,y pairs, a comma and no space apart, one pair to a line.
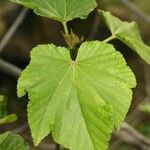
83,116
75,85
46,109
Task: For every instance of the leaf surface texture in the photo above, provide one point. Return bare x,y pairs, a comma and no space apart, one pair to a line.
79,102
61,10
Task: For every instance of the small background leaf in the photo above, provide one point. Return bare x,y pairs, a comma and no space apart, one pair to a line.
4,118
9,141
144,108
3,103
8,119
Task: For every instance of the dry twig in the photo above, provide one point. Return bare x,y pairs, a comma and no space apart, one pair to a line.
13,28
136,11
9,68
131,136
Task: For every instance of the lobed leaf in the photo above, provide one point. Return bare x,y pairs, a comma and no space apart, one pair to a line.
79,101
128,33
61,10
9,141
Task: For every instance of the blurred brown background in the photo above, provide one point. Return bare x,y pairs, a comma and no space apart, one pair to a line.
36,30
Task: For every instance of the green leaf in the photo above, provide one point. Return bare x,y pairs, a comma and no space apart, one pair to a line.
9,141
144,107
3,103
80,101
4,118
128,33
8,119
61,10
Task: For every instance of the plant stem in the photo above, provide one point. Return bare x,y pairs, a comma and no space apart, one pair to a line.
10,68
109,38
65,28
